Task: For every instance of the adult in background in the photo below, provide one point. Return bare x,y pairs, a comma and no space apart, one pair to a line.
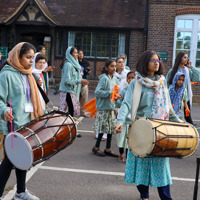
84,88
18,85
124,57
42,49
70,85
191,73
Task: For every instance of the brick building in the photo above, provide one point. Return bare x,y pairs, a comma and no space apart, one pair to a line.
104,30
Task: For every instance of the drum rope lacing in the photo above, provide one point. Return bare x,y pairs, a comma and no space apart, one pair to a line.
53,139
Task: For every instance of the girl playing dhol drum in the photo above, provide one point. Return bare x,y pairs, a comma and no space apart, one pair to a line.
18,85
154,103
105,120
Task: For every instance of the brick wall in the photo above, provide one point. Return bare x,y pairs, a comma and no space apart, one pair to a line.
136,47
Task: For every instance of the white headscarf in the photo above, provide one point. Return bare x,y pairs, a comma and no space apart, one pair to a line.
35,70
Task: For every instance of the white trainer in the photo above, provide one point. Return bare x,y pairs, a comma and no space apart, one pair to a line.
25,196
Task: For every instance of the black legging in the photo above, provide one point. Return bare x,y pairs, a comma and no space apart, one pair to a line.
5,170
70,104
121,151
108,141
189,118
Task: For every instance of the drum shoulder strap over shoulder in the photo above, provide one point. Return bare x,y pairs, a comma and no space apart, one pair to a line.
136,99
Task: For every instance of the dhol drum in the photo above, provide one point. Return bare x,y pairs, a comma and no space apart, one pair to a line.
40,139
152,137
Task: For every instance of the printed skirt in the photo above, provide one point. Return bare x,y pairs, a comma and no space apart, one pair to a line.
105,122
75,102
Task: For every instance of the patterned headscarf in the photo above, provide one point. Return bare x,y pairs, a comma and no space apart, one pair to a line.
176,95
13,60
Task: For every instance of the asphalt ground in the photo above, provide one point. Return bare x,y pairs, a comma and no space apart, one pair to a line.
75,173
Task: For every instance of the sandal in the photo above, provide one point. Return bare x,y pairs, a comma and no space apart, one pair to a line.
121,159
110,153
98,152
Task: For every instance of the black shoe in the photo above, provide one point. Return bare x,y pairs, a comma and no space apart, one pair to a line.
78,135
98,152
110,153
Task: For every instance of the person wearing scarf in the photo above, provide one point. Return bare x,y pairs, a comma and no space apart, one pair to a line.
18,85
70,85
178,95
192,74
121,72
37,69
154,103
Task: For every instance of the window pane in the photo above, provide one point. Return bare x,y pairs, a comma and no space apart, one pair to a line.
187,35
179,45
188,23
197,63
59,43
198,45
187,45
179,35
98,44
198,55
180,23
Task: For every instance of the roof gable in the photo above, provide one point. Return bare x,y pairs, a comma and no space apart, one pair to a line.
79,13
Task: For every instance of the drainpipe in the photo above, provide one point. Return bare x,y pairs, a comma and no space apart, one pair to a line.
146,25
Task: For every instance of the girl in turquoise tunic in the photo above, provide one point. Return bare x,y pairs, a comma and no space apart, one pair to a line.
105,120
122,138
154,103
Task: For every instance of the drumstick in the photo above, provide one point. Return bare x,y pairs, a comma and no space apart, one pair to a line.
11,124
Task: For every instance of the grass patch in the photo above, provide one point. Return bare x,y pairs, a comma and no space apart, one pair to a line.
9,188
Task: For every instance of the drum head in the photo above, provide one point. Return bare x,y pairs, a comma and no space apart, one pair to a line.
141,137
20,153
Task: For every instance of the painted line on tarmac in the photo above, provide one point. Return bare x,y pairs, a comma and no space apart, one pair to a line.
101,172
28,176
85,131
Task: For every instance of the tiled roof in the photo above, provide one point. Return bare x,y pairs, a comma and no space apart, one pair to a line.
86,13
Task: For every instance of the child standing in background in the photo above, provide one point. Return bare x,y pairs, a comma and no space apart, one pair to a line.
121,73
178,94
105,120
122,137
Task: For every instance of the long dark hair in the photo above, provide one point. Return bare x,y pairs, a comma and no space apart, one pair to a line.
108,62
176,65
142,64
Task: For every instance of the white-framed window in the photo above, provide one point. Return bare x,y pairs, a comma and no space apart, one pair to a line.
98,44
187,37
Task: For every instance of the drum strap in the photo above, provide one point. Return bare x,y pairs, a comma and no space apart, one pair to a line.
45,97
136,99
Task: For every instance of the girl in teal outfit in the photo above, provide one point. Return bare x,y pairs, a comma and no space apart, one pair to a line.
105,120
191,73
154,103
18,85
